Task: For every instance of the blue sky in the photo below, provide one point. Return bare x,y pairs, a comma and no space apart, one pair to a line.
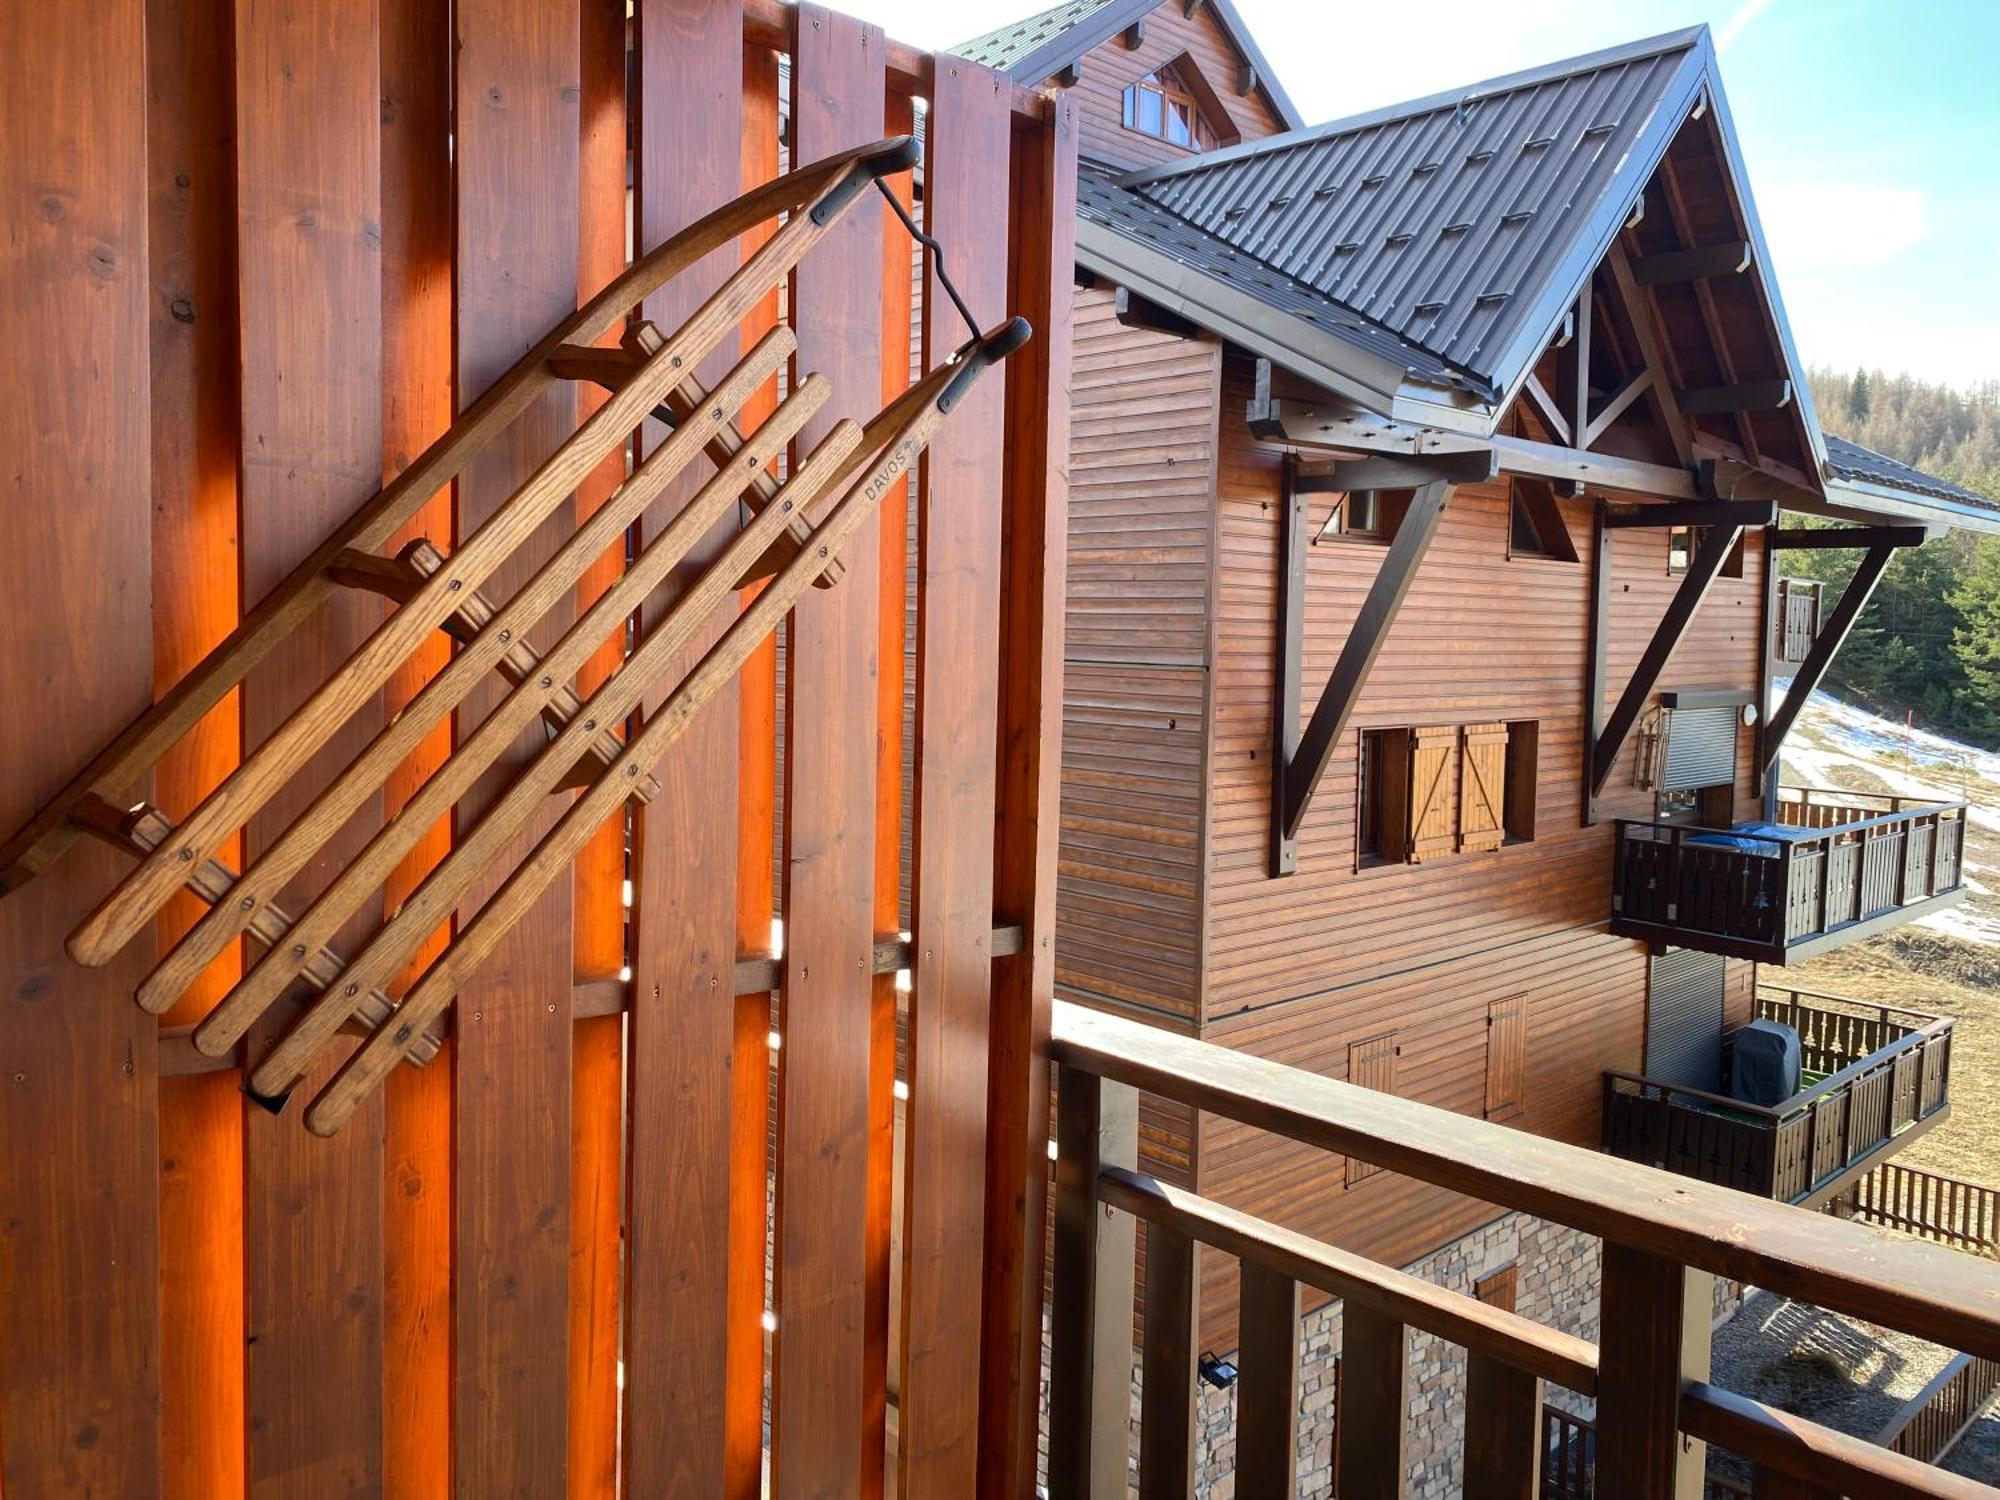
1871,130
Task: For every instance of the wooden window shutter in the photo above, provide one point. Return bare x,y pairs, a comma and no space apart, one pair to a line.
1506,1057
1500,1287
1370,1065
1482,801
1433,791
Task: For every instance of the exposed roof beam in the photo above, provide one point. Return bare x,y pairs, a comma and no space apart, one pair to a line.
1698,264
1137,311
1642,315
1134,36
1246,78
1550,410
1696,513
1394,473
1615,407
1711,320
1857,536
1754,395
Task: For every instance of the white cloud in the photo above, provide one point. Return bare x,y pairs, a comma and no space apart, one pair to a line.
1817,225
1738,23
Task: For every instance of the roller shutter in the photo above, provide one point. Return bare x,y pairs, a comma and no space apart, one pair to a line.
1701,748
1684,1019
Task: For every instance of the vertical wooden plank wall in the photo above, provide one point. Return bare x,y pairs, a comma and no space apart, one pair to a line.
517,137
823,1064
597,1102
191,266
79,1334
969,149
1029,795
359,216
308,112
688,158
417,246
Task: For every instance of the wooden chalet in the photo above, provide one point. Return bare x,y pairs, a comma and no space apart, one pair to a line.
507,990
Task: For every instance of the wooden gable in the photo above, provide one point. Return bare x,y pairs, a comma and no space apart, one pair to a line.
1208,65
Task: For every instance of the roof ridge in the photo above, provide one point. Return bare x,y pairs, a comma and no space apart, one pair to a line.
1653,46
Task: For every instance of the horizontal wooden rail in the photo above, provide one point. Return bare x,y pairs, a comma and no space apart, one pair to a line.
1921,1289
1649,1377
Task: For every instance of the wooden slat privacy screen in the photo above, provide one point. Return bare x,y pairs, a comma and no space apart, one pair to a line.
536,1264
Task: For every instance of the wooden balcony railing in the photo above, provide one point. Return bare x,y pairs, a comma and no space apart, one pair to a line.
1569,1462
1932,1421
1664,1242
1931,1206
1803,1151
1854,867
1797,618
1835,1030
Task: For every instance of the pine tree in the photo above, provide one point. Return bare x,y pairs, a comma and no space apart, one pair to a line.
1857,398
1976,643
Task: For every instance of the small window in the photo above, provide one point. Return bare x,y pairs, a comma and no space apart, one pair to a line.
1499,1287
1506,1057
1162,106
1366,515
1383,796
1536,527
1681,544
1371,1065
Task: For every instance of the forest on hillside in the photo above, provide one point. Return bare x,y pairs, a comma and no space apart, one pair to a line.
1929,642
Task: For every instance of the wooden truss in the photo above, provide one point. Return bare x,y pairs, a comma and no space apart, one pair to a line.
649,374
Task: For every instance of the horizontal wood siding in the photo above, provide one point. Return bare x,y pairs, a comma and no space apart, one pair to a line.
1107,69
1142,474
1583,997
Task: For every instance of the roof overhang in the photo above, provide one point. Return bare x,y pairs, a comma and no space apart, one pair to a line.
1862,498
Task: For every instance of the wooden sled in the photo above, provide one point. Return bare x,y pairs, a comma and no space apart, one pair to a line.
650,374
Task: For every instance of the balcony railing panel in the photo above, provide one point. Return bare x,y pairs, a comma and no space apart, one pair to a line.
1931,1206
1791,1151
1835,867
1655,1410
1797,618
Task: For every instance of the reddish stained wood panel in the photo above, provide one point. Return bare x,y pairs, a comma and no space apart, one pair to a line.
818,1378
597,1105
416,407
309,252
79,1226
683,1025
756,831
969,150
1029,748
517,80
191,265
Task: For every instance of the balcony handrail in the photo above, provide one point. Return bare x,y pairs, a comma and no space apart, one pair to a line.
1803,838
1800,1102
1915,1019
1648,1376
1898,802
1925,1290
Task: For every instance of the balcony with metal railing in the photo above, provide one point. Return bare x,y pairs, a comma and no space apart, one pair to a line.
1876,1078
1834,868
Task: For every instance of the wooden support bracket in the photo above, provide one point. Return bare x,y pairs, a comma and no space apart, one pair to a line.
1136,311
1299,760
1695,513
1717,542
1704,263
1833,634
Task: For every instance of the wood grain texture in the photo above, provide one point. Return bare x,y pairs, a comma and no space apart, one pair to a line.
756,837
309,252
79,1192
191,262
517,82
417,406
597,1091
683,1033
1028,794
823,1070
959,538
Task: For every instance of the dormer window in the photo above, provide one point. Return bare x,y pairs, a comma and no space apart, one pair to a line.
1162,105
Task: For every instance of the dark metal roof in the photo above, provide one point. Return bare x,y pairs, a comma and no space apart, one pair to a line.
1858,465
1101,201
1463,222
1042,45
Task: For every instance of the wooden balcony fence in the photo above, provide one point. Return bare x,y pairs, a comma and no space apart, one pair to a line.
1807,1149
1797,618
1931,1206
270,257
1664,1242
1933,1421
1868,864
1836,1030
1569,1461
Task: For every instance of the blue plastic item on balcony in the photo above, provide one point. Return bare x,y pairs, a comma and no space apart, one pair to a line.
1764,1063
